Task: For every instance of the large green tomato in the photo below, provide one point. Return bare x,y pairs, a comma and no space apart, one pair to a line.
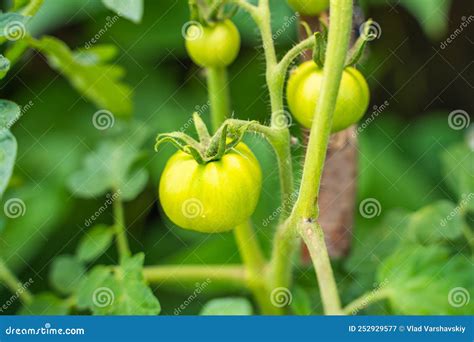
304,88
214,197
213,46
309,7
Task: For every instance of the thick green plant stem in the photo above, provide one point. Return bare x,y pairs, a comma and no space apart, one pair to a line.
121,230
218,95
255,263
248,247
234,276
13,284
305,212
313,236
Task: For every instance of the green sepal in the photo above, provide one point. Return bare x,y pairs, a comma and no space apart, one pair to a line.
356,52
218,143
319,50
201,129
320,46
183,142
208,148
194,11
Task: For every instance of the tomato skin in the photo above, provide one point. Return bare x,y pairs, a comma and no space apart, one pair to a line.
309,7
214,197
303,91
213,46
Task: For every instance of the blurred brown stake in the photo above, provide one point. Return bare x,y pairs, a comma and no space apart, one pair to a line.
338,186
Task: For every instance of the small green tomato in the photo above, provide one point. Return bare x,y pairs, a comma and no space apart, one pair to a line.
213,197
309,7
213,46
304,86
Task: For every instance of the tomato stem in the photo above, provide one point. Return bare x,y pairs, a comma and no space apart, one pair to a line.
121,231
305,213
218,95
234,276
15,286
254,261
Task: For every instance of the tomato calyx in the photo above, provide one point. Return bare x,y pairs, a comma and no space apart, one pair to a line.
356,51
207,13
208,148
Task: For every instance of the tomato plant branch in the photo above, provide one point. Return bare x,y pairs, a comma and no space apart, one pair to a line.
230,275
13,284
280,139
218,95
121,232
365,300
305,209
255,263
32,7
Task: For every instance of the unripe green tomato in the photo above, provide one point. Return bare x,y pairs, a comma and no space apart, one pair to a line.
309,7
213,46
303,91
213,197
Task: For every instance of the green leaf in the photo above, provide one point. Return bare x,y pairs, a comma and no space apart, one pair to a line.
46,304
111,167
436,222
4,66
95,243
427,280
130,9
122,292
99,82
9,113
8,148
227,307
92,281
66,272
458,167
13,25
